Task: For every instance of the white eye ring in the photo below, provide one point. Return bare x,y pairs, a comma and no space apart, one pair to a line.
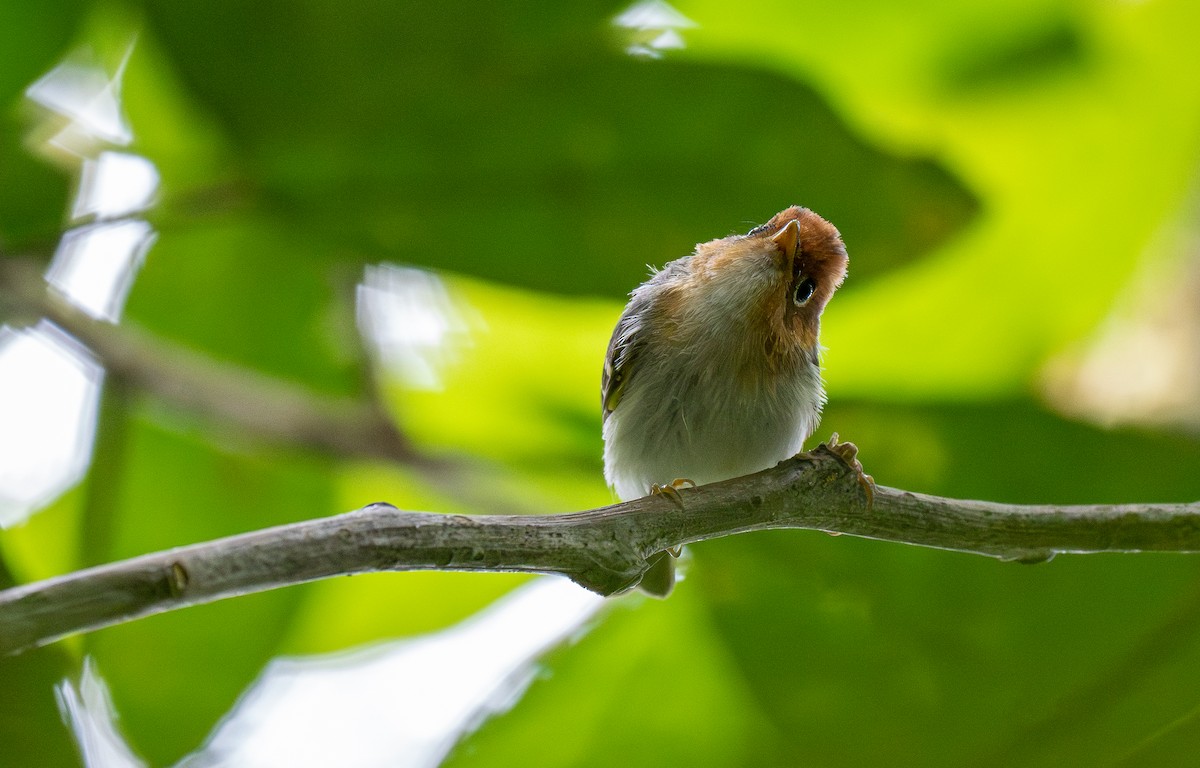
804,291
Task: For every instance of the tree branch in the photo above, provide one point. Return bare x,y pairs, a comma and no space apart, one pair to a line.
258,404
604,550
254,403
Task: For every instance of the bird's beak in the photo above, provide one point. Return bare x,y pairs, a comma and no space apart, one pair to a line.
788,238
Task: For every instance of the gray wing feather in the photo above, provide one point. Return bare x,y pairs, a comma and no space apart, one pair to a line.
628,341
623,350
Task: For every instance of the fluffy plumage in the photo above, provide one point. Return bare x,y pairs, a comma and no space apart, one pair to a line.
713,369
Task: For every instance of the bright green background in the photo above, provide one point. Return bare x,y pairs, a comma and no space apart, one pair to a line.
998,170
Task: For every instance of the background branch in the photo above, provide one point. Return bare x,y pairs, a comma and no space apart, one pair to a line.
604,550
262,405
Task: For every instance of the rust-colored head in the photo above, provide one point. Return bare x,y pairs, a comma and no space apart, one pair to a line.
812,251
809,263
751,302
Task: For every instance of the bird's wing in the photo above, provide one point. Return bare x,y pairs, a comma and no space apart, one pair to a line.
619,363
629,339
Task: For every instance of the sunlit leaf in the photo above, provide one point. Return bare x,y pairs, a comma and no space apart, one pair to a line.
1080,142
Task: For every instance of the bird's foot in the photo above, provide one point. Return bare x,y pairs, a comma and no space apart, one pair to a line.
848,452
659,580
671,490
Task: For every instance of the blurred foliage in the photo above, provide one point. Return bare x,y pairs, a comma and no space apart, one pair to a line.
33,36
998,170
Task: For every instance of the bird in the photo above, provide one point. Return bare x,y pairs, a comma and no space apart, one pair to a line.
714,368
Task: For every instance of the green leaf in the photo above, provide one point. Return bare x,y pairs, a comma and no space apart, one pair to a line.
31,727
526,147
1080,151
33,36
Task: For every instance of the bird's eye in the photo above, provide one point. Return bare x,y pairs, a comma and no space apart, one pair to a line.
804,291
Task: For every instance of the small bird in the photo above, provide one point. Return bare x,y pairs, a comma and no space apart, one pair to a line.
713,370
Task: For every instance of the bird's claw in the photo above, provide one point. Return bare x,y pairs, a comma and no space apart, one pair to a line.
671,490
848,452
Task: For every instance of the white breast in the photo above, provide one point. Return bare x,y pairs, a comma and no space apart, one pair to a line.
688,411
